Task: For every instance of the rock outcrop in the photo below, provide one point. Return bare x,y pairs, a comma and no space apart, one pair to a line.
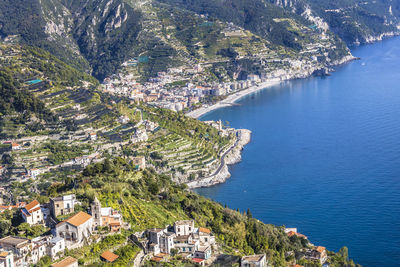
233,156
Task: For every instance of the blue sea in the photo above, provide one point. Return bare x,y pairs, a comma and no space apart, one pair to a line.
325,156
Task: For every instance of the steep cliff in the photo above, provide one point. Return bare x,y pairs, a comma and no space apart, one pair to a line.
356,22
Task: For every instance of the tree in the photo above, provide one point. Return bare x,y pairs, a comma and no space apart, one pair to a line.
344,252
249,215
5,227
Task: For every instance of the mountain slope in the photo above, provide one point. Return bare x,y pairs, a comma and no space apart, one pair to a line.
97,36
354,21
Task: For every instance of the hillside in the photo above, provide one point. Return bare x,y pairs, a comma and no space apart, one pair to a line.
127,141
98,36
66,137
356,22
62,122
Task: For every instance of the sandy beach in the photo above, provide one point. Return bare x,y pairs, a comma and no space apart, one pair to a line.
231,99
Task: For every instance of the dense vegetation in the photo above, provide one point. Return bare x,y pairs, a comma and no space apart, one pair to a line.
254,15
22,110
100,35
25,18
147,199
13,100
356,21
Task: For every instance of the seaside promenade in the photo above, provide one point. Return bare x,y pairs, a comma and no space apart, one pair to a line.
231,99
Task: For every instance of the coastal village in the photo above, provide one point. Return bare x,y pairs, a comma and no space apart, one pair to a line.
71,229
146,127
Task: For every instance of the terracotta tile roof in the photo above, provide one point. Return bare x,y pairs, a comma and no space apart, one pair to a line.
162,255
35,209
204,230
291,233
31,205
320,249
296,265
68,261
3,253
156,259
109,256
79,218
197,260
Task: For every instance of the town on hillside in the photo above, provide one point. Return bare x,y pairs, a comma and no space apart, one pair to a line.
69,229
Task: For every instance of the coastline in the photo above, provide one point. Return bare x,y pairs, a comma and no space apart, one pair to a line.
233,156
232,99
230,157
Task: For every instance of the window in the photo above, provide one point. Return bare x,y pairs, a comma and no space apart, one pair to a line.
57,206
66,227
190,228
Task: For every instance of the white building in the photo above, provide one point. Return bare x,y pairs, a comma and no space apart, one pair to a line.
205,236
6,259
254,261
83,161
62,205
203,253
32,213
39,249
15,146
123,119
34,173
93,136
167,242
185,227
18,245
56,247
76,228
139,162
139,136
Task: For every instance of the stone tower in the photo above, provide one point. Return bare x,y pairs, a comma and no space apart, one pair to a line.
96,212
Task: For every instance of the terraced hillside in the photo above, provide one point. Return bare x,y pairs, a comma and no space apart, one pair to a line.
55,122
98,36
354,21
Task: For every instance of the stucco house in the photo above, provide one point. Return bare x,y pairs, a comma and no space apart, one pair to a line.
6,259
56,247
62,205
32,213
205,236
76,228
203,253
167,242
185,227
254,261
18,245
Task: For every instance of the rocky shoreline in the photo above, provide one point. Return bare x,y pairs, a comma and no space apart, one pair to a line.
233,156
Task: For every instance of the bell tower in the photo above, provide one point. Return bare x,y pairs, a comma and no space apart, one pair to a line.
96,212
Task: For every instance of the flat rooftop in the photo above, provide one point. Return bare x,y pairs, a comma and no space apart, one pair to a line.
253,258
14,241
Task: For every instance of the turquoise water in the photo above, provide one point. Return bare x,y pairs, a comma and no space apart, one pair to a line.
325,156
